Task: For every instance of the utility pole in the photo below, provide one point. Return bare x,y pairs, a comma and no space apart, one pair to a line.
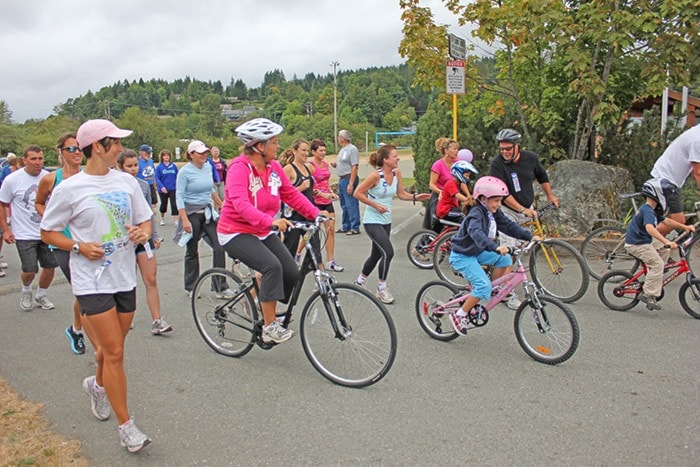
335,107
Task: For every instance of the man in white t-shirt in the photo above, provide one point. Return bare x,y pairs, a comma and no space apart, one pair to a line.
680,159
19,191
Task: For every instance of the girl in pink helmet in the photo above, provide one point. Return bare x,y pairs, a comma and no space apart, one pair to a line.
475,245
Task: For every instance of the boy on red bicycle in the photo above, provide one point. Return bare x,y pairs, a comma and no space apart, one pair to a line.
474,245
645,242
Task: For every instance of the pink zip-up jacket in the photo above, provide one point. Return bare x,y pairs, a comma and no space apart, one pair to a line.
252,199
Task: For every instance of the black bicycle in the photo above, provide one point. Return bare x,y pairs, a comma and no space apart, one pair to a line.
346,333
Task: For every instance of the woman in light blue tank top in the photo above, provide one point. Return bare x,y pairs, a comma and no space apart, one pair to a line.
377,192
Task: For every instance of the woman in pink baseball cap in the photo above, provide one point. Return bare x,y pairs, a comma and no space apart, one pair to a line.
107,215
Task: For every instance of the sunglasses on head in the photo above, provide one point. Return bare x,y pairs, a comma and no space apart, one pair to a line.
71,149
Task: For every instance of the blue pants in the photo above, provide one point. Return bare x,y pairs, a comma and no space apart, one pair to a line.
349,205
470,268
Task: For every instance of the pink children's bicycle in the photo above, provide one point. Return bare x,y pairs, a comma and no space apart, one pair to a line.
545,327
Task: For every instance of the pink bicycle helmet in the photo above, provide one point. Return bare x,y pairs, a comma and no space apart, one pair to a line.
489,187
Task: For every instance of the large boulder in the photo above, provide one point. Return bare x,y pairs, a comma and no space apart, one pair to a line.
588,196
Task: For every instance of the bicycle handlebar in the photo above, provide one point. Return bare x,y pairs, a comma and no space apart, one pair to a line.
547,207
307,225
517,251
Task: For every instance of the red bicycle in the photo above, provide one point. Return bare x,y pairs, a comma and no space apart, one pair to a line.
619,290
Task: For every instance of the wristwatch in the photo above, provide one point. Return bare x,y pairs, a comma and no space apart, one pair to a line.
75,248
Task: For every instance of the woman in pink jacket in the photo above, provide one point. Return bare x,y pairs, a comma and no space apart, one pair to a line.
255,185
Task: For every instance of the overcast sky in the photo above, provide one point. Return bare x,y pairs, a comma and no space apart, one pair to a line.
53,50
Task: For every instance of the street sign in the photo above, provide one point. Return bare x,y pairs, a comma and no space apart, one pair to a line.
455,77
457,47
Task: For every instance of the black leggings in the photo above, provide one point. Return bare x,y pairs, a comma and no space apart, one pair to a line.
271,259
164,197
382,250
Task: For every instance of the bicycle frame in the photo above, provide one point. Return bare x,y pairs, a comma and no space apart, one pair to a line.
680,267
538,229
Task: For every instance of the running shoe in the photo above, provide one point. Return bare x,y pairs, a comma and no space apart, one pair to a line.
131,437
333,266
460,323
160,326
44,302
98,399
2,273
226,294
275,333
384,296
513,301
3,263
25,301
358,283
162,222
77,344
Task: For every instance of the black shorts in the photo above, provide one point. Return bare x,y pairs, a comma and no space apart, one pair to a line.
33,251
154,195
94,304
140,248
326,207
673,197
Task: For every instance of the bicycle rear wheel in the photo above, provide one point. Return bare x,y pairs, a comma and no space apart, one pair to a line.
226,323
689,296
433,317
548,332
603,250
362,350
558,269
420,248
441,262
617,296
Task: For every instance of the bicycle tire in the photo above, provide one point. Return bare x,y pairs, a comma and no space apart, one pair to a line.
689,296
419,252
606,291
365,352
226,325
692,255
603,250
548,333
441,263
567,277
432,319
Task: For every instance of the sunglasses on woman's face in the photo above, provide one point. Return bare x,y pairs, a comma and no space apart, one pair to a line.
71,149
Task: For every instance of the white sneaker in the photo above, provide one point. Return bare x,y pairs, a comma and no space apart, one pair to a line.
513,301
275,333
99,404
384,296
44,302
2,273
131,437
3,263
160,326
162,222
333,266
26,301
226,294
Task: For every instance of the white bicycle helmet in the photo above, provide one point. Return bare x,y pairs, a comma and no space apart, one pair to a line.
257,130
653,189
489,187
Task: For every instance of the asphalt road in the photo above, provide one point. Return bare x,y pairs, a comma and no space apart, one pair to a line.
629,396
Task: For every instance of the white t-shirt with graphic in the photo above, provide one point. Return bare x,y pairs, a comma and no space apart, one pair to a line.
19,191
97,208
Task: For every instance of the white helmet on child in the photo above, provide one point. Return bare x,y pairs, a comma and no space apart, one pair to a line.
257,130
489,187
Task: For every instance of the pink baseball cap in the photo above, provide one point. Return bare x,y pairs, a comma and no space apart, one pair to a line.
94,130
198,147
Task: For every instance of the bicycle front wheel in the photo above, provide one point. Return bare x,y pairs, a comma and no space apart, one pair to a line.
548,332
689,296
692,255
603,250
350,338
559,270
441,262
225,321
432,314
420,248
615,291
